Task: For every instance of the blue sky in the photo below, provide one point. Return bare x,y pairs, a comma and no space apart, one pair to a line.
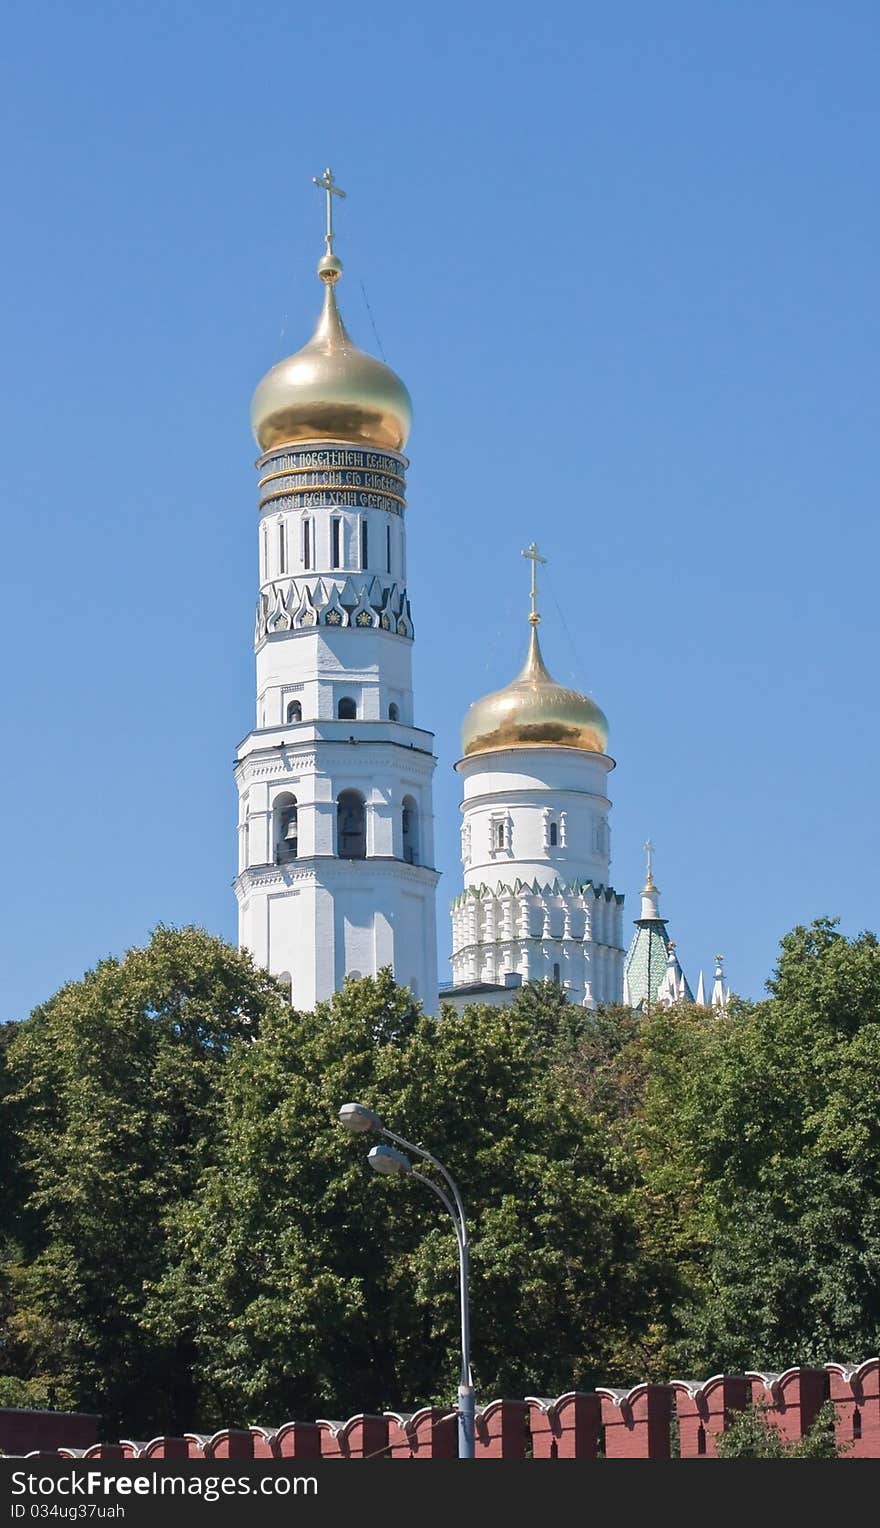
625,257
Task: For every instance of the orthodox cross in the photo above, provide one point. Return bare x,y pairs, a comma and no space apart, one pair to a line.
534,557
328,184
649,850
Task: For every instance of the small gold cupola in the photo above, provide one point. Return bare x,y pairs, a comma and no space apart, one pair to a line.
533,710
331,390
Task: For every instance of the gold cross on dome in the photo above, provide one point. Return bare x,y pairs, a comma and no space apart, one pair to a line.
328,184
649,850
534,556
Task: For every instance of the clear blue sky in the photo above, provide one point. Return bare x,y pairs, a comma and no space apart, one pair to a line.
625,256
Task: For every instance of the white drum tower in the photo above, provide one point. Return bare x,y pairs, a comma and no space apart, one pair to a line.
535,843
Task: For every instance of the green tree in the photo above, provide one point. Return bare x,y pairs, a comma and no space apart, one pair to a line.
112,1096
758,1139
307,1284
7,1134
14,1392
187,1235
752,1434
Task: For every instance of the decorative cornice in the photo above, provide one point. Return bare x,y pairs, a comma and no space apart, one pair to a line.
253,767
476,759
312,870
557,888
524,794
521,940
282,759
291,605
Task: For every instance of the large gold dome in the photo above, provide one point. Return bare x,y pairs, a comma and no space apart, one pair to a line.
331,390
534,711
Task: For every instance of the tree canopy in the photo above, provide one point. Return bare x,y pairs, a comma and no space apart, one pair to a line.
759,1142
330,1286
187,1237
112,1100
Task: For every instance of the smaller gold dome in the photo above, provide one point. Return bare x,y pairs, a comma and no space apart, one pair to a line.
534,711
331,390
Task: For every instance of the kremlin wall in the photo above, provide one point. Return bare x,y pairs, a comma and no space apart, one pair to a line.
681,1419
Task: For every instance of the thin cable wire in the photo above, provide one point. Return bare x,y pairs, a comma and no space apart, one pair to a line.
504,629
373,322
580,669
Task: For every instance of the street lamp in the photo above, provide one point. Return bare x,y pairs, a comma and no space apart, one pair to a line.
358,1119
387,1159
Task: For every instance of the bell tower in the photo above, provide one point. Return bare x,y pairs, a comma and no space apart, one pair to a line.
336,831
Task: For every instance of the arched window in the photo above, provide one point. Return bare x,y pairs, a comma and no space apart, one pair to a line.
499,835
351,826
286,826
393,712
554,835
556,973
410,823
284,980
347,710
294,711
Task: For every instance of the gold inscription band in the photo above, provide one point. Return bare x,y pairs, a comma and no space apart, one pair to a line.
302,490
272,477
332,456
354,498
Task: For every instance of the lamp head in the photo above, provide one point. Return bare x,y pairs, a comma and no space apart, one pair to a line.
358,1118
387,1159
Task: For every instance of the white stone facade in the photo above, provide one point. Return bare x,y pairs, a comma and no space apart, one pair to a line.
536,855
336,830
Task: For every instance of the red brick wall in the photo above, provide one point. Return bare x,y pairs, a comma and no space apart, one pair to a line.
607,1422
25,1432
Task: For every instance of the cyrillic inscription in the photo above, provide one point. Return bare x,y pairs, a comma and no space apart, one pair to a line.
335,475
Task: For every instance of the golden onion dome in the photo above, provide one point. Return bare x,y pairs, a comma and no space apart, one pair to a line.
331,390
534,711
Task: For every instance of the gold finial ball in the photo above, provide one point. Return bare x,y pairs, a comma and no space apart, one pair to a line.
330,269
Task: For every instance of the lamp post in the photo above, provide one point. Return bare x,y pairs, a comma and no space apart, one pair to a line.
358,1119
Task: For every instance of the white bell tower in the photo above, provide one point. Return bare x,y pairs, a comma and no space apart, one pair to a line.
336,832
